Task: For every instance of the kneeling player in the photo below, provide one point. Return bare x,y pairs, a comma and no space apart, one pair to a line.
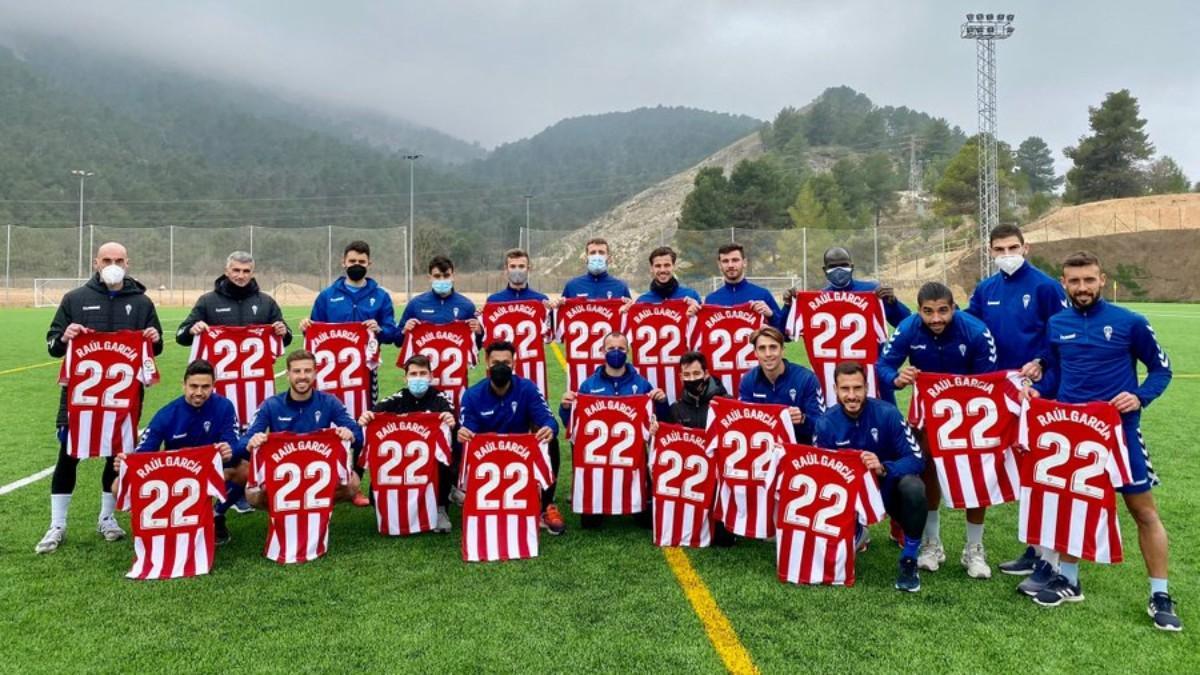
878,431
200,417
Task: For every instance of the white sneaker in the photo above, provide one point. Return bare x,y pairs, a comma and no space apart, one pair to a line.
974,558
443,520
51,540
109,529
457,495
930,555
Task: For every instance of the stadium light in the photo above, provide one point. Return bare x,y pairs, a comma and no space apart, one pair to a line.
82,175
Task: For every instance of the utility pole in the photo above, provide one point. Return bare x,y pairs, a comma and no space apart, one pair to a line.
83,175
527,198
412,224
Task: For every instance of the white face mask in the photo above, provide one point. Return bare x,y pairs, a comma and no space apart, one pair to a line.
1009,264
112,275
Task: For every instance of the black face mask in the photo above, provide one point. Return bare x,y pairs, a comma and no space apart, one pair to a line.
356,272
696,387
500,375
664,290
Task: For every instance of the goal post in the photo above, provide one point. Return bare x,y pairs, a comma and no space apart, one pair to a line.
49,292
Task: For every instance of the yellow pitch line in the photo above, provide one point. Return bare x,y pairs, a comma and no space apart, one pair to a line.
720,632
10,371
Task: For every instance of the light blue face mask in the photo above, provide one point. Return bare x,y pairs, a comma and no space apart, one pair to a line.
443,286
418,386
597,264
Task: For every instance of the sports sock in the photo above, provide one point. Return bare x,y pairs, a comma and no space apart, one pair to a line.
910,547
1158,586
59,504
108,504
1070,571
1050,557
974,533
933,526
233,492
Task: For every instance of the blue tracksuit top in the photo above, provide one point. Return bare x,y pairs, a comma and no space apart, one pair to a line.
281,413
893,312
600,383
510,294
433,308
681,292
596,287
1016,309
520,411
965,347
879,429
729,295
343,303
179,425
795,386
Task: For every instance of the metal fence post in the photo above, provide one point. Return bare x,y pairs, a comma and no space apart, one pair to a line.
732,235
91,239
329,255
875,237
804,254
171,257
7,262
945,272
251,241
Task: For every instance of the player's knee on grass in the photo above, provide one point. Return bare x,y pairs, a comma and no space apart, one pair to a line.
910,505
348,491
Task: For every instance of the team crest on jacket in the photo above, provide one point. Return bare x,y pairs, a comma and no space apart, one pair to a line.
456,312
792,393
317,416
128,309
207,426
610,295
1108,333
875,434
1025,300
254,310
962,349
514,407
371,302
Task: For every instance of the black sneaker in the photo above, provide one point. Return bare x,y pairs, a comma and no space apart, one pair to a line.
1043,572
221,530
1162,610
1022,566
908,579
1058,591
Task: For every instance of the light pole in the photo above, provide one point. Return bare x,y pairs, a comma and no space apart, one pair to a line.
985,29
83,175
408,274
527,198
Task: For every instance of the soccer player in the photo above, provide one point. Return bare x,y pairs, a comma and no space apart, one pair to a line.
441,304
941,340
779,381
200,417
736,290
516,276
505,403
1093,352
699,388
1016,303
356,297
109,301
420,396
597,283
300,409
877,430
664,285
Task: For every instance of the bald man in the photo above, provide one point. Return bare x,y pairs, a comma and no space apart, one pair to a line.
109,301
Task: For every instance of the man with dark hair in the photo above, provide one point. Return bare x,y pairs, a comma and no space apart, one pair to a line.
235,300
940,339
597,283
441,304
505,403
664,285
736,290
1094,348
517,267
877,431
200,417
779,381
839,273
357,298
699,389
420,396
109,301
1016,303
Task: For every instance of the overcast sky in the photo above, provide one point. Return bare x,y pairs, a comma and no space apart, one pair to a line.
496,70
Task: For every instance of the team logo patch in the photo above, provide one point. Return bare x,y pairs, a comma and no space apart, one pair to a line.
371,302
962,349
792,393
207,426
455,312
254,310
317,416
1108,333
635,389
514,407
1025,300
148,366
610,295
128,310
875,434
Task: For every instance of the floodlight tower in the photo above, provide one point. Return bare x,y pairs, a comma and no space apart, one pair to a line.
985,29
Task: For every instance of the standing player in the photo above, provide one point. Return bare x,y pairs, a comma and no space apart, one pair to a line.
508,404
664,285
356,297
839,273
516,276
109,301
877,430
597,283
779,381
441,304
941,340
1093,353
736,290
1016,303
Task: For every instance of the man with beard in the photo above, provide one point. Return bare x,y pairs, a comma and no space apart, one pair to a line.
779,381
731,258
664,285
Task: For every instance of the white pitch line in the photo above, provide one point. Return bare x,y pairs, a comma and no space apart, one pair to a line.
15,485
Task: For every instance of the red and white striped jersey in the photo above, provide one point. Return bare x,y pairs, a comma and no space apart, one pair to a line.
608,453
346,354
402,452
684,471
970,424
581,325
243,360
1076,456
451,351
169,496
742,436
104,374
722,334
657,337
839,326
822,495
526,324
503,476
300,473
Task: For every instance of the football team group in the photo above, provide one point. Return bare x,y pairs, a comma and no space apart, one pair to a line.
1055,339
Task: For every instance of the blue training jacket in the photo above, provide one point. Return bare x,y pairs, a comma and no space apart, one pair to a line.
965,347
1016,308
681,292
600,384
893,312
879,429
729,295
596,287
179,424
433,308
510,294
343,303
520,411
281,413
795,386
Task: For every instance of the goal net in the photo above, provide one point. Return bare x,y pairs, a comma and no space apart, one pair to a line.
49,292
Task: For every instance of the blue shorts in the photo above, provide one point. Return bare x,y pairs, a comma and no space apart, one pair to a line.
1140,468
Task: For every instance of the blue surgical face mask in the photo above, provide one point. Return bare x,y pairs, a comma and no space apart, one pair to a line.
597,264
839,277
418,385
615,358
443,286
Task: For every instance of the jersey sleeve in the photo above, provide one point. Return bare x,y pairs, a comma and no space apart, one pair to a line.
812,403
183,334
983,352
894,353
389,331
895,312
62,318
1158,366
908,453
124,494
870,501
148,370
215,487
152,437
